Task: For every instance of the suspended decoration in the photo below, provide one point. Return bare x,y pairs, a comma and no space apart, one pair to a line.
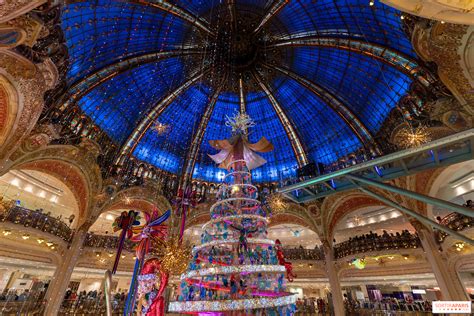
236,267
413,137
359,263
5,204
124,223
160,128
276,203
184,201
176,257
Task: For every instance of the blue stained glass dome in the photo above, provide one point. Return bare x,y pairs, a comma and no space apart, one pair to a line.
319,78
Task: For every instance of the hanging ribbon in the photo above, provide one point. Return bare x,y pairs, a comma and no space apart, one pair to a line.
184,201
124,222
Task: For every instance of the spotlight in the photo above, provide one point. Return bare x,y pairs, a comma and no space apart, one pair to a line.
40,240
97,254
7,232
122,256
25,236
49,243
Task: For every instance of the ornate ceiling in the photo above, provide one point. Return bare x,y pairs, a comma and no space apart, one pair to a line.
318,77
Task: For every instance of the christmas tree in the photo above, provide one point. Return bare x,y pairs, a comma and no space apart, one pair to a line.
236,270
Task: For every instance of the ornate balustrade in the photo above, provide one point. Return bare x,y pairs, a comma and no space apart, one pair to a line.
454,221
37,220
107,242
43,222
303,254
376,243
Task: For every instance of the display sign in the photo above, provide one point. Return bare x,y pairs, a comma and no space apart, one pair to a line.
451,307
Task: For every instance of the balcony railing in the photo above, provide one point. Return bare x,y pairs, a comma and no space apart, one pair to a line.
37,220
455,221
376,243
43,222
303,254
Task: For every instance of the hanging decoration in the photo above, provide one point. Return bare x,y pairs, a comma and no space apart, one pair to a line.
412,137
5,205
160,128
282,261
359,263
185,199
276,203
124,223
236,268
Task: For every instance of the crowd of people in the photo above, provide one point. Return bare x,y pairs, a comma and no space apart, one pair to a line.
93,299
374,242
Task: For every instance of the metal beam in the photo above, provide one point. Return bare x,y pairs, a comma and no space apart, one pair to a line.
455,148
198,137
291,133
414,214
387,55
153,115
414,195
333,102
179,12
88,83
232,13
272,11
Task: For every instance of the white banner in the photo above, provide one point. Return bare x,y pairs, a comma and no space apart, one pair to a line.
451,307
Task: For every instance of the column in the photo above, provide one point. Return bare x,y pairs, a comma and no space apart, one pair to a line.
333,276
452,289
60,281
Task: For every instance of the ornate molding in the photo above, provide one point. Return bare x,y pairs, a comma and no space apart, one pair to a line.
10,9
441,43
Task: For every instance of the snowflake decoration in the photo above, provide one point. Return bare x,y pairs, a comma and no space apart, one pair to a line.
412,137
160,128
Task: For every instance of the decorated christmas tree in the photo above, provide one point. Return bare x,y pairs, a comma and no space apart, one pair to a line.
236,270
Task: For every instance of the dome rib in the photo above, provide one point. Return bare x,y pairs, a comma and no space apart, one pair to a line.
388,55
84,86
276,6
333,102
153,115
179,12
293,136
196,142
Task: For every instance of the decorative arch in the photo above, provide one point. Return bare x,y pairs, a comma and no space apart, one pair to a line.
430,183
337,206
75,166
9,108
143,198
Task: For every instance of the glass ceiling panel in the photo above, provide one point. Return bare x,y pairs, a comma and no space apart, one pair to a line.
370,88
168,150
100,32
281,162
118,104
379,23
205,168
324,134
